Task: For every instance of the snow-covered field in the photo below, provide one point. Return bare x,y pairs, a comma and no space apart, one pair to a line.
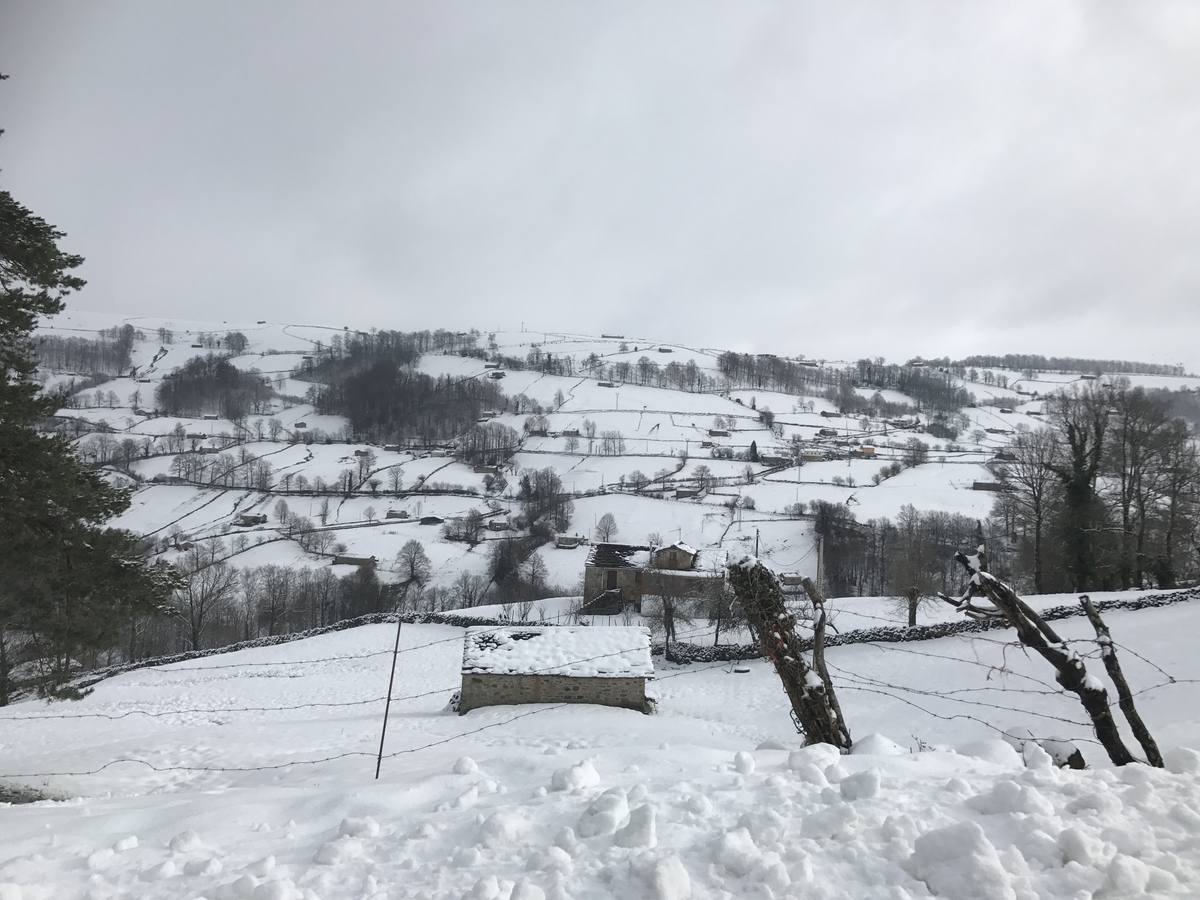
254,777
251,774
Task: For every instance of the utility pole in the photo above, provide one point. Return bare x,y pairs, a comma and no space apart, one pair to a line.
756,543
387,707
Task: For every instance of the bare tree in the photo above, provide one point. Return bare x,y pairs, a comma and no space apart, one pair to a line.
1030,481
209,586
606,528
413,569
1034,633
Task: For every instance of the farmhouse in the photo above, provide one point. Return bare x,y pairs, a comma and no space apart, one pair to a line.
363,562
771,459
247,519
617,576
607,666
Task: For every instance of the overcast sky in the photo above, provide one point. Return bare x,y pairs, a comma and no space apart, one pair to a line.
836,179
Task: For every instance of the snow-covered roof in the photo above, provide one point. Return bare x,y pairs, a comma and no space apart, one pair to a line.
680,545
616,556
577,651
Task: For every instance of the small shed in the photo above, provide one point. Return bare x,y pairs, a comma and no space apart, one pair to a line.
248,519
607,666
432,520
363,562
396,514
567,541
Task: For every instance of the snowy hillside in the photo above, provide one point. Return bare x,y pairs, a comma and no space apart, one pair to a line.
665,439
251,774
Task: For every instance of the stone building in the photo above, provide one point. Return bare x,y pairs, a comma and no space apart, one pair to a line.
618,576
608,666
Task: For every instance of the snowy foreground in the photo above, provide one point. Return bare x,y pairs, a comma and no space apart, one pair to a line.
710,797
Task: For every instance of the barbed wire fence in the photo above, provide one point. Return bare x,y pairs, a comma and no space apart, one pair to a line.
918,698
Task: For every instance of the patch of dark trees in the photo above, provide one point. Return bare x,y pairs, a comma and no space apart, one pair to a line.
931,390
370,378
388,401
108,353
1035,362
210,385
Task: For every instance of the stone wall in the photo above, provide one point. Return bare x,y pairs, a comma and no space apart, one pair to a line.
595,582
479,689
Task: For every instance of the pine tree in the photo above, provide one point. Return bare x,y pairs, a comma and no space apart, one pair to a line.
67,584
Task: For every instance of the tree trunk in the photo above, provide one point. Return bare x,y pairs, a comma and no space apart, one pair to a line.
3,666
1108,654
1071,673
814,706
1037,554
914,597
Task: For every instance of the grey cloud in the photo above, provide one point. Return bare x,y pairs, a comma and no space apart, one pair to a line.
837,179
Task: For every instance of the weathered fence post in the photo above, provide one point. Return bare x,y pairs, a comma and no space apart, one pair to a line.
814,705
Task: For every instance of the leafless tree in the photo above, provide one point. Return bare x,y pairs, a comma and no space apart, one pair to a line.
606,528
210,585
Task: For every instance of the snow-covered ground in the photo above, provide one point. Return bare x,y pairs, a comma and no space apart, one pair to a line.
256,779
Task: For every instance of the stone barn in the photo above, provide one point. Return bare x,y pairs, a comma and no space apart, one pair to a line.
607,666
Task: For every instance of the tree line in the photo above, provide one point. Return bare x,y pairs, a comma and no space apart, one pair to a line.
1106,495
108,353
1035,362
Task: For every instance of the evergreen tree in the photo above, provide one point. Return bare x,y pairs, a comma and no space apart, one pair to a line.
67,584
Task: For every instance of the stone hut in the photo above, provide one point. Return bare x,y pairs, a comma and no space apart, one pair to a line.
556,664
617,576
614,570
